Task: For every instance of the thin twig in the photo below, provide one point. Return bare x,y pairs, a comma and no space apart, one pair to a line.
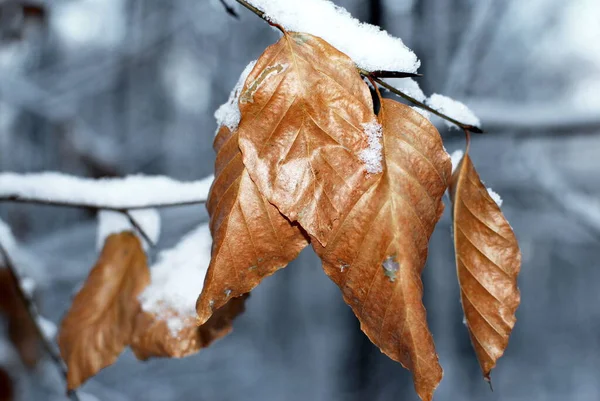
414,101
35,318
139,229
94,206
230,10
376,74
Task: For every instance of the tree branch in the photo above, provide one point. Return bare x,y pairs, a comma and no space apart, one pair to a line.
375,76
94,206
34,316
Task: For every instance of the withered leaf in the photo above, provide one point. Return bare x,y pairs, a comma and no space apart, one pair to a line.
21,328
303,108
488,260
100,322
251,239
378,252
153,338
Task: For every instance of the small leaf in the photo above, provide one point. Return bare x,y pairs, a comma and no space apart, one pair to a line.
303,109
378,252
251,239
21,329
152,336
488,260
100,322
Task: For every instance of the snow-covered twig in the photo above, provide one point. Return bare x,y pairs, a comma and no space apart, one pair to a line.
422,105
378,74
116,194
36,318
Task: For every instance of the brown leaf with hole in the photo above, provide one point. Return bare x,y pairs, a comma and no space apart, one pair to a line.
100,322
153,338
6,386
301,133
488,260
21,329
378,252
251,239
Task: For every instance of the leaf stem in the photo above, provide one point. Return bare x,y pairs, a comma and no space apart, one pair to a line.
35,318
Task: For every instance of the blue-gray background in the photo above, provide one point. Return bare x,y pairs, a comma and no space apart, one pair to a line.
114,87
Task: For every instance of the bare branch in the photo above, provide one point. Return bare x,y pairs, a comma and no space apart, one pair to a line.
35,318
139,229
94,206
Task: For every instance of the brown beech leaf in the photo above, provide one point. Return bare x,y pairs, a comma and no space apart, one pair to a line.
153,338
379,250
251,239
21,329
100,322
488,260
303,108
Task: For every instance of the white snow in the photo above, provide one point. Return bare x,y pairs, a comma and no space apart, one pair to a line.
372,156
229,113
135,191
371,48
454,109
456,157
407,86
422,112
177,280
495,197
28,286
110,222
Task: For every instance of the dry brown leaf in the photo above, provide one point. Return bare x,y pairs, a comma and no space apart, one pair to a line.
6,386
21,329
153,338
303,107
488,260
251,239
378,252
100,322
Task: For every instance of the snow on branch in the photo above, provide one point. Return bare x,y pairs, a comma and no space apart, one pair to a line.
177,279
453,109
371,48
131,192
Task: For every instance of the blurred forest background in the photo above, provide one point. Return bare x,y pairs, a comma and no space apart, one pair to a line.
115,87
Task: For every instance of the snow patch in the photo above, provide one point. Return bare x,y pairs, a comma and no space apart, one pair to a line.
422,112
372,156
48,328
134,191
456,157
177,280
110,222
228,114
408,86
371,48
495,197
453,109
